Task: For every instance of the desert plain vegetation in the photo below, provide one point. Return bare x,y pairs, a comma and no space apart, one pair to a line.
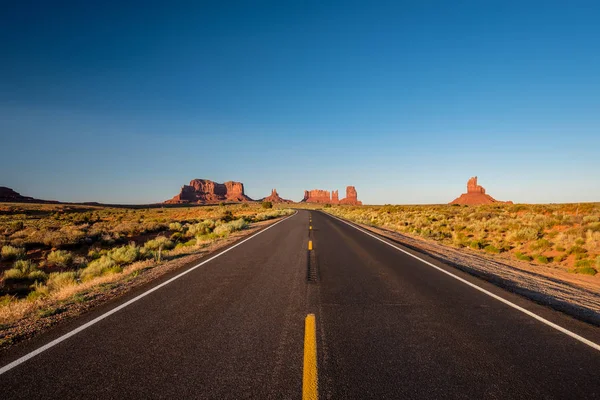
57,255
563,236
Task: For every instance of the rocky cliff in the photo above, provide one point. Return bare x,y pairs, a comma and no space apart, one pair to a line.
274,198
204,191
476,195
324,197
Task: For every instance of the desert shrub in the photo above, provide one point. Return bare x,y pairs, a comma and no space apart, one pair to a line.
560,248
522,256
560,258
25,270
542,259
229,227
475,244
267,204
577,250
175,226
102,266
125,254
60,258
584,263
10,252
39,291
176,237
160,242
202,228
59,280
327,205
525,234
541,244
492,249
598,261
585,270
94,254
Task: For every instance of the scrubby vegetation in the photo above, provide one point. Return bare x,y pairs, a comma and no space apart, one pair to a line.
54,251
566,236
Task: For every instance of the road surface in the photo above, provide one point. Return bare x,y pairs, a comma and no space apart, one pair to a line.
388,326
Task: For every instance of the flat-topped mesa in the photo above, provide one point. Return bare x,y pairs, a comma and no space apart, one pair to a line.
317,196
10,196
324,197
275,198
476,195
204,191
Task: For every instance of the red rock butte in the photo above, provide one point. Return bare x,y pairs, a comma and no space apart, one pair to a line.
274,198
204,191
324,197
476,195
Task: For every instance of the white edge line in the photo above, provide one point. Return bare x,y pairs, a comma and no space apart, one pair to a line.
75,331
511,304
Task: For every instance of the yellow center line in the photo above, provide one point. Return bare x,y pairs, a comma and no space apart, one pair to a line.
310,381
310,244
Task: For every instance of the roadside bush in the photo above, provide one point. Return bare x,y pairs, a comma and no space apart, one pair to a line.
541,244
59,280
175,226
11,253
160,242
522,257
542,259
60,258
125,254
202,228
25,270
492,249
267,204
102,266
229,227
525,234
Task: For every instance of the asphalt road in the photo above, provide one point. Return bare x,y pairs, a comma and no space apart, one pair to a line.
388,326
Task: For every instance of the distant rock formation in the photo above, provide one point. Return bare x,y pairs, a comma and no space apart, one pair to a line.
274,198
324,197
476,195
351,197
204,191
7,195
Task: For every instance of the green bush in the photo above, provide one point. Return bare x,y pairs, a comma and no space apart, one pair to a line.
577,250
175,226
522,256
541,244
58,280
25,270
492,249
125,254
11,253
202,228
267,204
584,263
102,266
160,242
542,259
60,258
526,234
585,271
229,227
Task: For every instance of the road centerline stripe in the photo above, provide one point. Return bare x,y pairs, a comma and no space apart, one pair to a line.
75,331
482,290
310,390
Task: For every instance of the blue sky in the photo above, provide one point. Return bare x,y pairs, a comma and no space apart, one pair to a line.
404,100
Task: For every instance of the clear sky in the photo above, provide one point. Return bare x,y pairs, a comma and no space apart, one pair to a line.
124,102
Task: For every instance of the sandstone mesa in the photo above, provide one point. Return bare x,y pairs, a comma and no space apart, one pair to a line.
325,197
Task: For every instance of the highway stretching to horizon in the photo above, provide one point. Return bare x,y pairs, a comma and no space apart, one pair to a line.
311,307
